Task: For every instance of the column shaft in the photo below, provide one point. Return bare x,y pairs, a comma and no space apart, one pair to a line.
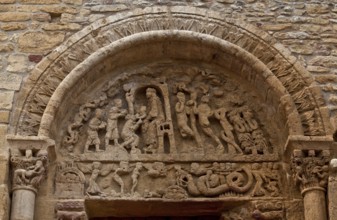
23,203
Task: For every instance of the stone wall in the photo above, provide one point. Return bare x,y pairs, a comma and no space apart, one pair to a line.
31,29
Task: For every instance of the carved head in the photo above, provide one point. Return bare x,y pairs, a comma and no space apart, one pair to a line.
181,96
150,92
117,103
98,113
96,165
205,99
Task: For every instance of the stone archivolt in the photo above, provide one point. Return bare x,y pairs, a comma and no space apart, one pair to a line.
303,96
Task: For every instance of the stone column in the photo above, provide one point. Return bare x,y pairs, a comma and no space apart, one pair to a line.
310,171
28,173
332,190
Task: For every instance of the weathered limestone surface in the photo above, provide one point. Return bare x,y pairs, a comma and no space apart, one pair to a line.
32,29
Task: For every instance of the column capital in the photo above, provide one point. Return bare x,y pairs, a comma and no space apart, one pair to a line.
29,170
310,169
29,160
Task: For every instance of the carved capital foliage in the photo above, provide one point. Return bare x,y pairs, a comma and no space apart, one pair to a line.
311,168
29,169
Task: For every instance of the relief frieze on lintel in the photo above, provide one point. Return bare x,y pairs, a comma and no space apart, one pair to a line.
158,180
196,117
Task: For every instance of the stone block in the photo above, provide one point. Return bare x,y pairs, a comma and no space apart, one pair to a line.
3,37
318,69
7,1
6,100
10,81
302,49
39,1
276,27
7,8
109,8
326,61
4,169
4,202
4,117
39,41
14,16
73,2
61,27
292,35
13,26
42,17
317,8
35,58
324,79
58,9
6,47
17,63
28,8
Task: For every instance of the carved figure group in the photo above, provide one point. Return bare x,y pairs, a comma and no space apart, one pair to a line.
29,171
238,121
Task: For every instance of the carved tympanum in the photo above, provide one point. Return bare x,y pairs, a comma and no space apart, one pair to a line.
202,114
192,134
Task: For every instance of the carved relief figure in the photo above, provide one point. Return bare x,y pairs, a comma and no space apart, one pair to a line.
93,188
154,117
182,120
191,105
121,170
246,142
96,170
29,171
112,127
33,175
239,123
227,134
95,124
260,143
251,123
129,135
204,111
135,175
82,116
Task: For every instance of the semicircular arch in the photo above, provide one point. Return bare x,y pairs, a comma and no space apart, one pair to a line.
303,102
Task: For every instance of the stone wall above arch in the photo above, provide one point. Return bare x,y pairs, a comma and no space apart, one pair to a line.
304,98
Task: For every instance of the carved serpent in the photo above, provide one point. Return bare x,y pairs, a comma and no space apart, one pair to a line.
234,183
